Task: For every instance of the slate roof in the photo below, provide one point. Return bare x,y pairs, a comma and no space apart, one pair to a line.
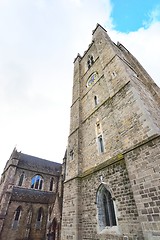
38,164
31,195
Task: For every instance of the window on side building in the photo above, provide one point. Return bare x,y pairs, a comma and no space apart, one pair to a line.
39,218
21,179
51,188
37,182
17,216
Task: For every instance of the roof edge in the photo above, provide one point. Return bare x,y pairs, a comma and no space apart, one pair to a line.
98,25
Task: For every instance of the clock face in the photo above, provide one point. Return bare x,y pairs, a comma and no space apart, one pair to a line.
92,79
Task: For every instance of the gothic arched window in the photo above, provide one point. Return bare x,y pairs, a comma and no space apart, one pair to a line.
100,144
51,184
21,179
17,216
90,61
37,182
95,100
39,218
100,141
105,206
71,154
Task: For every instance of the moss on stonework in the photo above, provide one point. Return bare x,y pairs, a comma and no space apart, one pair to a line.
120,156
108,162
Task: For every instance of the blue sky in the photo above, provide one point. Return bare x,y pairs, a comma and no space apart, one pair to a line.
39,40
130,15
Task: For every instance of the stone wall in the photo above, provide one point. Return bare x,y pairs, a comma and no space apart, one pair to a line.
29,200
71,207
143,164
11,233
115,177
126,116
28,175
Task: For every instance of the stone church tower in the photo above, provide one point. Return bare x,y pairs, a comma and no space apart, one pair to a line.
112,169
109,183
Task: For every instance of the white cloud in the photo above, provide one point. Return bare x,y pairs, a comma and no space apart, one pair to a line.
143,44
38,43
153,17
77,2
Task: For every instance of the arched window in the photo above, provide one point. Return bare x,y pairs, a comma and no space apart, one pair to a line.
17,216
51,188
105,206
90,61
100,144
21,179
95,100
39,218
37,182
99,138
71,154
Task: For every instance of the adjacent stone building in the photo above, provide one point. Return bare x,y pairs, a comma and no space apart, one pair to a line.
108,186
30,199
112,180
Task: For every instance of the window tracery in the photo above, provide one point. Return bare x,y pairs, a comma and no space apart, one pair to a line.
90,61
37,182
105,207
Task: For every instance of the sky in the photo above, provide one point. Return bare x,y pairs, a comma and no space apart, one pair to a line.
39,40
131,15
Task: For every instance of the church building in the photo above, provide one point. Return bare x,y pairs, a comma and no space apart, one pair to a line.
108,187
30,197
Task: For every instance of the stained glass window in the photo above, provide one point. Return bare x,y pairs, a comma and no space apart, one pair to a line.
37,182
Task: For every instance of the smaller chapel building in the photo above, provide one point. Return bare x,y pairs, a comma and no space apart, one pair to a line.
29,191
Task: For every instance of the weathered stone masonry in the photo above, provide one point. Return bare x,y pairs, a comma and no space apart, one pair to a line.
143,164
109,184
29,208
113,155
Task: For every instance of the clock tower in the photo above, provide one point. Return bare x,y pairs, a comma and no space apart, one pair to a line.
111,180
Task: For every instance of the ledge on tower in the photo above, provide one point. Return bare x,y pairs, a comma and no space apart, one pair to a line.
78,57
